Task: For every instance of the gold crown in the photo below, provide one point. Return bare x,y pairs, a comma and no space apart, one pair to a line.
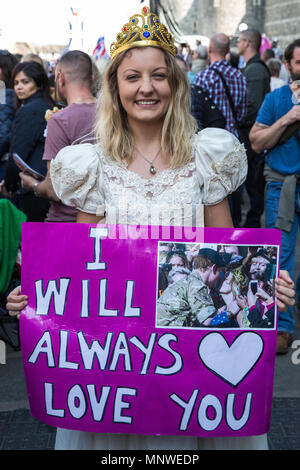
143,30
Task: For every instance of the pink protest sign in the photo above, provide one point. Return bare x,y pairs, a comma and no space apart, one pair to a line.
265,44
127,332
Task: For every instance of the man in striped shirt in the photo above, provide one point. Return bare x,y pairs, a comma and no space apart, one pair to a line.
211,82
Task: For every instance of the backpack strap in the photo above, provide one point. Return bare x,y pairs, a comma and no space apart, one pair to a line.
227,93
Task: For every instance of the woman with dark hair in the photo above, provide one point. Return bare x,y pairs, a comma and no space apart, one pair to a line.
32,99
34,74
233,58
7,63
177,259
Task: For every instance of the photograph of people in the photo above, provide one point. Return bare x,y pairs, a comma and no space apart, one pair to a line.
228,286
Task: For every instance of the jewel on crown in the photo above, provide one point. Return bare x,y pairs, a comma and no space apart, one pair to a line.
143,30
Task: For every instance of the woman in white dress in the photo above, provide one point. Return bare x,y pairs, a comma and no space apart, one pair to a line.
148,163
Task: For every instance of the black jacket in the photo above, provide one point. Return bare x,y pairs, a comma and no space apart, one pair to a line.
204,110
28,138
258,85
6,120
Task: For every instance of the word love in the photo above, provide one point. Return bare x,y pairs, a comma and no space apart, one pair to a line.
77,401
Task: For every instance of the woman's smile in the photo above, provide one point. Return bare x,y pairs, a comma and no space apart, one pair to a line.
146,102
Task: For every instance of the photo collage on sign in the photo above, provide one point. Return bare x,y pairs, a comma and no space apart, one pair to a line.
216,286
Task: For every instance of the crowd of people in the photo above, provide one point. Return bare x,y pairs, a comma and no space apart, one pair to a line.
141,144
33,94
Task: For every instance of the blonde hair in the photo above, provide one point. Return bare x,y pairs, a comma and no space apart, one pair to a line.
112,128
33,57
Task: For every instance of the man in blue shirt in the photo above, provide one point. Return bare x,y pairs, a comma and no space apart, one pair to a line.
258,78
280,110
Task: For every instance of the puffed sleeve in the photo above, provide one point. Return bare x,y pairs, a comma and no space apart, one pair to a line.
221,164
76,175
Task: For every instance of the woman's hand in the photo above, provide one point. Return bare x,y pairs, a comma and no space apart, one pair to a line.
16,302
27,181
285,291
252,298
3,190
233,307
242,301
265,297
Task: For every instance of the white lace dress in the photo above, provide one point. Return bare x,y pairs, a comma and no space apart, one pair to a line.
83,177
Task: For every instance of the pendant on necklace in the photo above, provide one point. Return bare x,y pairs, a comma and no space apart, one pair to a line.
152,170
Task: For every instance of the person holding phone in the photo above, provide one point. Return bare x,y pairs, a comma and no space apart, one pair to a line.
7,63
254,287
276,131
32,92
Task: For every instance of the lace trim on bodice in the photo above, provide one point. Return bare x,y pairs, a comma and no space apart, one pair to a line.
222,170
148,187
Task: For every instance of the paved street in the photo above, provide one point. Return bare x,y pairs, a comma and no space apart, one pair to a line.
19,430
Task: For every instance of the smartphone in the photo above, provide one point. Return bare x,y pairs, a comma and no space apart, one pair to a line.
254,286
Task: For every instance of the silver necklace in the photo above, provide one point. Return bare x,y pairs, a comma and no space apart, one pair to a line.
152,168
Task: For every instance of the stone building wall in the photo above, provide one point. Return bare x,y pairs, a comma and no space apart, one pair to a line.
199,19
278,19
206,17
282,20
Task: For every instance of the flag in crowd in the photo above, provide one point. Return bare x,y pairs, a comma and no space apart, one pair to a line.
100,50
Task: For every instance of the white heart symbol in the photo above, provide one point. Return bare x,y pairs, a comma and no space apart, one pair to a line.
231,363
